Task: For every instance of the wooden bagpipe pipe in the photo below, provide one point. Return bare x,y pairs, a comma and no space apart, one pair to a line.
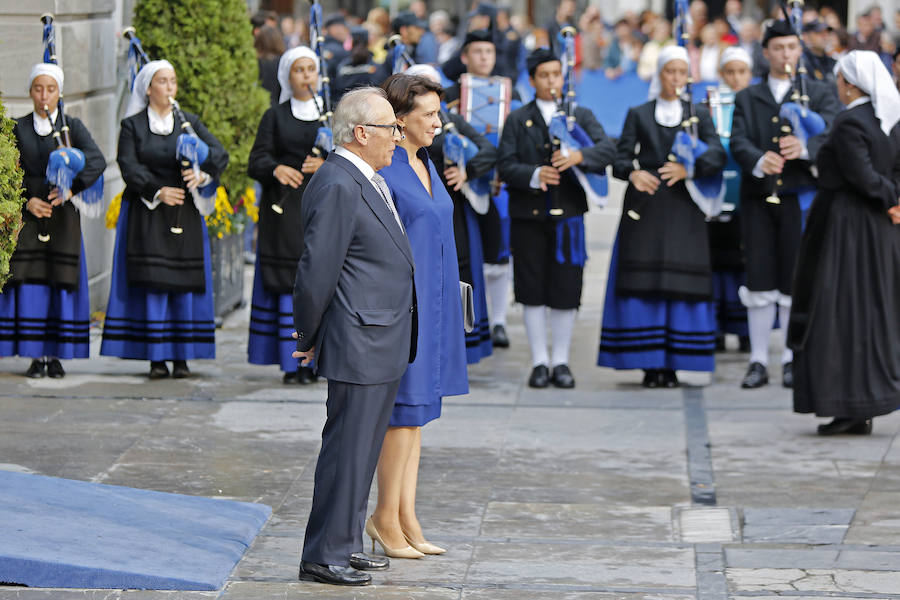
66,162
566,135
796,117
190,150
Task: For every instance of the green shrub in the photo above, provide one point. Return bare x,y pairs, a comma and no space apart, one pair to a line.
210,44
10,194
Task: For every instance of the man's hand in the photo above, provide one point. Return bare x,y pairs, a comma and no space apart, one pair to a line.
562,162
672,173
644,181
288,176
548,176
171,195
307,357
773,163
310,165
790,146
456,177
894,213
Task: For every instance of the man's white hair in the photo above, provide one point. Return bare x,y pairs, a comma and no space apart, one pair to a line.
354,109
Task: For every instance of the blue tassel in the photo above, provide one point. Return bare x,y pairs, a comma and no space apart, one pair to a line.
577,249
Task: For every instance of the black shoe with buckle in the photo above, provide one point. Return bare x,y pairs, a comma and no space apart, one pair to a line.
55,369
562,377
180,369
306,375
787,375
36,369
668,378
158,369
651,378
369,562
756,377
540,377
290,377
854,426
499,339
333,574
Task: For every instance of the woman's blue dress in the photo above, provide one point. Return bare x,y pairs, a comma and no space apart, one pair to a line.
440,365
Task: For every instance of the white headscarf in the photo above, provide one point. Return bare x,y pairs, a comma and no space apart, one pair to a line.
666,55
864,69
735,53
284,69
47,69
138,100
424,70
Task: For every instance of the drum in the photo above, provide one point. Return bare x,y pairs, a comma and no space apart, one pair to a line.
485,103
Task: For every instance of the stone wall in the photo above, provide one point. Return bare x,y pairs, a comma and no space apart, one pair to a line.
87,49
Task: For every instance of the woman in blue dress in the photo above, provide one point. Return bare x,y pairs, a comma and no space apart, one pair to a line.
426,211
282,160
44,307
160,300
658,315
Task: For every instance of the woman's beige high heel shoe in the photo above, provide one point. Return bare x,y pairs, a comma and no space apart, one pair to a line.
408,552
425,547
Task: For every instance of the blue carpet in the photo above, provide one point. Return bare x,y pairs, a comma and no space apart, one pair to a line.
72,534
610,99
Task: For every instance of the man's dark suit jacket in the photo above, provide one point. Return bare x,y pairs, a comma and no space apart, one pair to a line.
354,298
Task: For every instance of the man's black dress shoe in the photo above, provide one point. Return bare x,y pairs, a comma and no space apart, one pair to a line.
838,426
540,377
651,378
35,369
562,377
668,378
756,376
499,339
158,369
306,375
787,375
369,562
289,377
333,574
54,369
180,369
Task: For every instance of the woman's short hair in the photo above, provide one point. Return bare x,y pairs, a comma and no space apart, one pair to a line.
354,109
268,43
402,91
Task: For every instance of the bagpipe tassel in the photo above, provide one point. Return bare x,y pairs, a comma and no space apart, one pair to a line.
595,186
708,193
577,247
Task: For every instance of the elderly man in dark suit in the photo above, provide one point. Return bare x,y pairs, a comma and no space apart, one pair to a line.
355,312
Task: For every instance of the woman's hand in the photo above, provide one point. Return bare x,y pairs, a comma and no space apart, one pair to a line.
54,199
672,173
38,207
644,181
894,213
310,165
456,177
288,176
171,196
563,162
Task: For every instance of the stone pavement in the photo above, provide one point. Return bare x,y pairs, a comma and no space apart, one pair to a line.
606,491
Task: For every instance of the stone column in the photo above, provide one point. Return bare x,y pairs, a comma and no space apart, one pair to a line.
87,50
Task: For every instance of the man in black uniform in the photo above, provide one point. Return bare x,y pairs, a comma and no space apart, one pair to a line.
776,174
547,204
818,63
335,33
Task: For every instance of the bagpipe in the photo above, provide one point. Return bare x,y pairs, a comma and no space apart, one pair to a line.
566,135
66,162
458,149
796,117
708,193
325,135
190,150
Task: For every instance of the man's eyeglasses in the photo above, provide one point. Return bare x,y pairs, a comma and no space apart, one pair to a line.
395,129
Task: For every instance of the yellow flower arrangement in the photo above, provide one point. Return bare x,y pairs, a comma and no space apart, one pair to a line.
227,218
112,212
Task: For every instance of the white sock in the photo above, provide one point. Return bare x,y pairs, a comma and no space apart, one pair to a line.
760,319
784,314
496,283
536,329
562,322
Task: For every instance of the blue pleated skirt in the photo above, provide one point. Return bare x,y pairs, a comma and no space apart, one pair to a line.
731,314
271,326
42,320
478,341
646,333
153,325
